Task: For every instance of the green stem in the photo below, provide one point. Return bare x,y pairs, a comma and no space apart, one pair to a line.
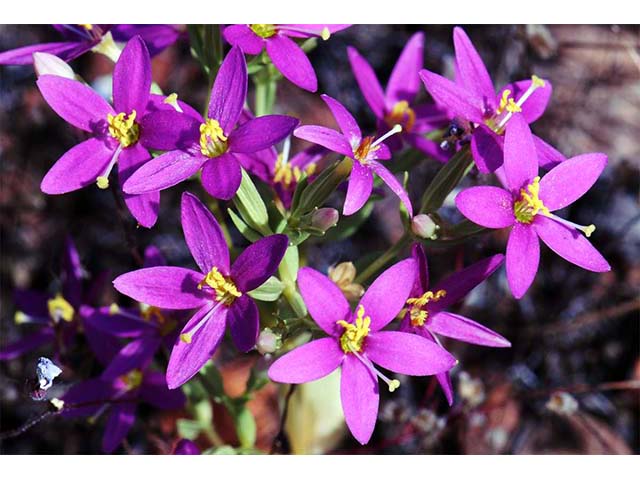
447,178
383,259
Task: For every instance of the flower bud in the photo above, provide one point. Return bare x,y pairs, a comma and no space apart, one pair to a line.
268,341
424,227
324,218
47,64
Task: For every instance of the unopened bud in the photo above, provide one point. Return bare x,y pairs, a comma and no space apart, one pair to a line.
324,218
48,64
424,227
268,341
562,403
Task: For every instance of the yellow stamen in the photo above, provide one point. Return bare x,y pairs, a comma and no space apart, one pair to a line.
325,34
417,313
213,141
86,26
173,101
123,128
114,309
148,313
226,290
102,182
285,174
59,308
529,204
354,334
263,30
537,81
133,379
401,114
364,149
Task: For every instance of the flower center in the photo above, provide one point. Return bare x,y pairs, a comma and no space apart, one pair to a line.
508,106
213,141
354,334
401,114
226,290
60,309
417,312
529,204
263,30
124,128
286,174
133,379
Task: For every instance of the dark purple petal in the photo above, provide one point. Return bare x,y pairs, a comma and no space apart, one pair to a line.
120,422
32,302
308,362
368,82
360,398
244,323
153,257
326,137
404,81
27,344
258,262
571,179
261,133
184,446
548,157
243,37
392,182
132,78
221,176
188,358
407,353
536,104
570,244
491,207
520,158
78,167
347,124
229,90
136,354
523,257
163,172
75,102
169,130
292,62
156,37
429,147
126,324
359,188
386,296
444,379
24,55
464,329
471,71
323,298
164,287
71,273
144,207
203,235
155,392
104,345
86,398
487,149
420,257
452,96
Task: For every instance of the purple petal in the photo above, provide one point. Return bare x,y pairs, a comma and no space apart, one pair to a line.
126,324
27,344
75,102
120,422
323,298
132,78
571,179
24,55
104,346
203,235
308,362
464,329
344,119
188,358
326,137
523,256
261,133
243,37
368,82
570,244
487,149
491,207
386,296
229,90
429,147
184,446
71,273
459,284
420,257
153,257
143,207
92,393
520,158
452,96
407,353
471,71
360,398
32,302
136,354
359,188
306,30
163,172
292,62
258,262
444,379
156,37
169,130
393,183
78,167
536,104
244,323
163,287
404,81
548,157
155,392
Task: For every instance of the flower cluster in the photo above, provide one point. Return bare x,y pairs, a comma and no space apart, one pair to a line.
243,155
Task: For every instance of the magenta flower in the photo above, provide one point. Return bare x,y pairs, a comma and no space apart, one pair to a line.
527,203
218,290
481,113
120,134
156,37
285,54
211,144
395,105
357,342
365,151
426,313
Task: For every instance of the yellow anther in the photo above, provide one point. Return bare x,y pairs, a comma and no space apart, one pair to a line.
537,81
213,141
86,26
133,379
102,182
364,149
226,290
59,308
173,101
529,204
57,403
263,30
354,334
148,313
20,317
186,337
507,103
325,34
124,128
513,107
393,385
588,230
401,114
285,174
417,314
114,309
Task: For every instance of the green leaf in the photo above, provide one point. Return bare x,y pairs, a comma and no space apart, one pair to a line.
212,380
223,450
288,268
446,180
246,428
317,193
243,228
189,429
251,206
269,291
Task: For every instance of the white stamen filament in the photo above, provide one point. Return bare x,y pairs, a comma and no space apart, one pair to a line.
535,84
324,33
286,150
587,230
103,180
396,129
393,384
20,318
186,337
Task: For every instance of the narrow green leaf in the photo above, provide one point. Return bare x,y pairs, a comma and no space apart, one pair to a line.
243,228
269,291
